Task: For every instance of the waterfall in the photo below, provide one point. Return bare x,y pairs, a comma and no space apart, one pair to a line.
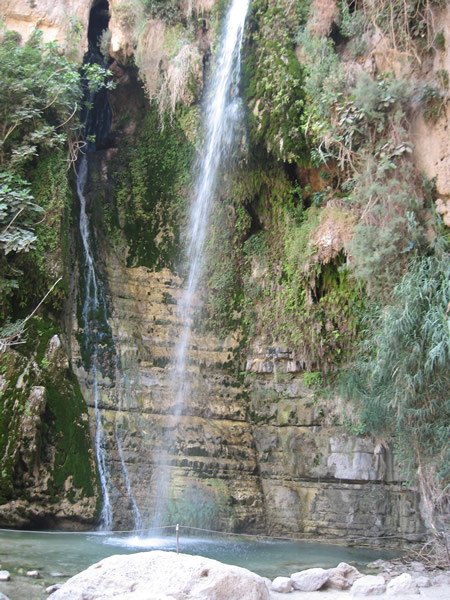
97,338
222,113
136,513
93,307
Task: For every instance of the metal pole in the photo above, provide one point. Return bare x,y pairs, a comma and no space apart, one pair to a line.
177,529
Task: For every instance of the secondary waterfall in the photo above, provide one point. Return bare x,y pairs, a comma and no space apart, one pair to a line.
222,113
93,311
97,340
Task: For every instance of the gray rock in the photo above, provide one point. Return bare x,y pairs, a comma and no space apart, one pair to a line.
422,581
52,588
309,580
161,575
342,577
34,573
378,564
403,584
5,575
369,585
442,578
282,584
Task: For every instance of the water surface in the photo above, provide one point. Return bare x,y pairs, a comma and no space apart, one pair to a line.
58,556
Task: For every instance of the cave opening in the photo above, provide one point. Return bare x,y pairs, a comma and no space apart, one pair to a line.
98,21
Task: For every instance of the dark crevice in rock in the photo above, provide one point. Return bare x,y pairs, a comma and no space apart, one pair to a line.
98,21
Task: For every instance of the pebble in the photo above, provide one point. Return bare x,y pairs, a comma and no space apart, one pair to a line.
34,573
443,578
5,575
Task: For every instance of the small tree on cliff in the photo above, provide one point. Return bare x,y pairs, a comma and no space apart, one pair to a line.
401,377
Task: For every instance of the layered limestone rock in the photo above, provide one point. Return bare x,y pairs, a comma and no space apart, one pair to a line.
264,455
211,454
315,475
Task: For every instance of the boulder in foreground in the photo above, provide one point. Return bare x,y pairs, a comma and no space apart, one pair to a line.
342,577
403,584
161,575
309,580
282,585
369,585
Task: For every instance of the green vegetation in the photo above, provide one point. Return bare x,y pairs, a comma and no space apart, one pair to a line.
51,431
203,505
150,191
400,377
39,108
38,121
350,127
40,99
273,81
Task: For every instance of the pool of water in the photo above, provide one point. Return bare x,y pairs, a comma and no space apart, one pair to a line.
58,555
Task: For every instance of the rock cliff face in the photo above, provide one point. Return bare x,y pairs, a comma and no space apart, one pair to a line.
255,449
48,466
64,22
261,454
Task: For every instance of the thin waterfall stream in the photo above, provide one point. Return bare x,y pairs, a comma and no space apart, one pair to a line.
93,306
222,115
97,335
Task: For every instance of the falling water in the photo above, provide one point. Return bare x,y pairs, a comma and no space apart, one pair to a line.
136,513
93,307
97,334
222,112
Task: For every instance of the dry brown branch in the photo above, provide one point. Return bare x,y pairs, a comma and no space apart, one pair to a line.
15,338
323,13
12,220
69,118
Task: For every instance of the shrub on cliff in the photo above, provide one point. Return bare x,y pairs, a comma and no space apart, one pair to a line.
401,378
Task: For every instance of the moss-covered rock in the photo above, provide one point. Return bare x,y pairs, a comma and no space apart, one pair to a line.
47,467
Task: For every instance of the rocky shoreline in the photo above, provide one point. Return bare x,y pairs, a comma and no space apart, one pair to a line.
159,575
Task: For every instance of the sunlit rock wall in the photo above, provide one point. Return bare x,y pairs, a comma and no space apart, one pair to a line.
62,21
255,449
430,137
318,478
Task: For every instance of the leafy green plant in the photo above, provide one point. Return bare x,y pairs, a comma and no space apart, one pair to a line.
274,83
150,189
37,111
400,376
313,379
